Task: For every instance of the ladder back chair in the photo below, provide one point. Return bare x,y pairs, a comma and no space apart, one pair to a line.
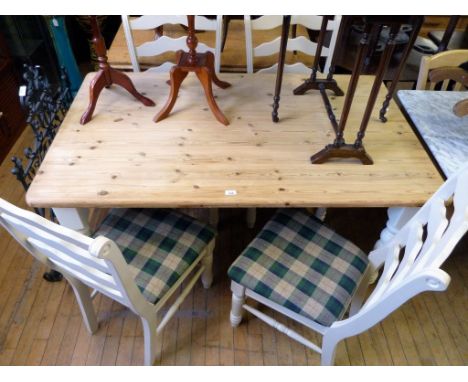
304,270
137,257
442,68
301,43
164,44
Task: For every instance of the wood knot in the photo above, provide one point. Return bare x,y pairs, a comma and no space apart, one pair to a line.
103,193
118,119
196,186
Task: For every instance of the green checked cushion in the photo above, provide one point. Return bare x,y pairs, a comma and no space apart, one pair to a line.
299,263
158,245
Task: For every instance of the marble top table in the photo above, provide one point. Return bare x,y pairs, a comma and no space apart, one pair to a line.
445,134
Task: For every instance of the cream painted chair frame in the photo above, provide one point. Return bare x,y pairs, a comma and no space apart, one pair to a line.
167,44
451,58
300,43
417,271
98,264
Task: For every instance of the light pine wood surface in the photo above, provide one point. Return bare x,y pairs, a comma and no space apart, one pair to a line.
40,322
122,158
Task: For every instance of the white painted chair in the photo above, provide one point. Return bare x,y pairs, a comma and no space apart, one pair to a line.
301,43
140,263
304,270
167,44
449,58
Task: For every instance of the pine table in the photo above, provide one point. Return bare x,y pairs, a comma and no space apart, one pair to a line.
123,159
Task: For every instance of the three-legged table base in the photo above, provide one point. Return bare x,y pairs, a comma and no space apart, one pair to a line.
204,70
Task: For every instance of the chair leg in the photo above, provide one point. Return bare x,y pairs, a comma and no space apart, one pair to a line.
321,213
213,218
238,298
85,303
207,262
149,336
328,350
251,217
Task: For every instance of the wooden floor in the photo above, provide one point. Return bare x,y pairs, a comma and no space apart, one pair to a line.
40,323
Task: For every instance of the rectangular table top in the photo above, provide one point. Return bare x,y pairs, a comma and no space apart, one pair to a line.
445,134
123,159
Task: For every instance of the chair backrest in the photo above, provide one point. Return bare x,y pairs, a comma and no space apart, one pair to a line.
447,59
411,261
97,263
301,43
167,44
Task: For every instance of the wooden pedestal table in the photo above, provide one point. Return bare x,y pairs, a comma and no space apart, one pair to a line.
202,64
106,76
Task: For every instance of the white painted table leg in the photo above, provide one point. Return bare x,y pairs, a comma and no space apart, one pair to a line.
397,218
74,218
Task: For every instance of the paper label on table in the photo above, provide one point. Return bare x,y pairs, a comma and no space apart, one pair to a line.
230,192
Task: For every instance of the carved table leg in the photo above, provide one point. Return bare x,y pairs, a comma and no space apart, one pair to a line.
203,75
279,74
95,87
397,218
313,83
210,65
123,80
106,76
401,65
177,76
384,61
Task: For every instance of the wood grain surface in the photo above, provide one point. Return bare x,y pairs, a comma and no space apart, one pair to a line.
123,159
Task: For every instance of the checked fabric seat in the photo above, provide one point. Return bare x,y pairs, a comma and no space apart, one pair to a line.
138,257
304,270
302,265
158,245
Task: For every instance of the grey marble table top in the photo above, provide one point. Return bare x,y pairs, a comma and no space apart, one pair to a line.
445,134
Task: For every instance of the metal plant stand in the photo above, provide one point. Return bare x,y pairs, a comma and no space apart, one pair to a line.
46,107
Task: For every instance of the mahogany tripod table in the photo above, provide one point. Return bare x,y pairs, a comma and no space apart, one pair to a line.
106,76
372,25
202,64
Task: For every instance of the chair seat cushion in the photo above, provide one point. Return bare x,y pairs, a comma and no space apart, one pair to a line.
159,245
299,263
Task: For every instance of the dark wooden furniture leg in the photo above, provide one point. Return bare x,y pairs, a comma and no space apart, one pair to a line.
279,73
202,64
339,149
391,90
448,33
107,76
329,82
383,65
